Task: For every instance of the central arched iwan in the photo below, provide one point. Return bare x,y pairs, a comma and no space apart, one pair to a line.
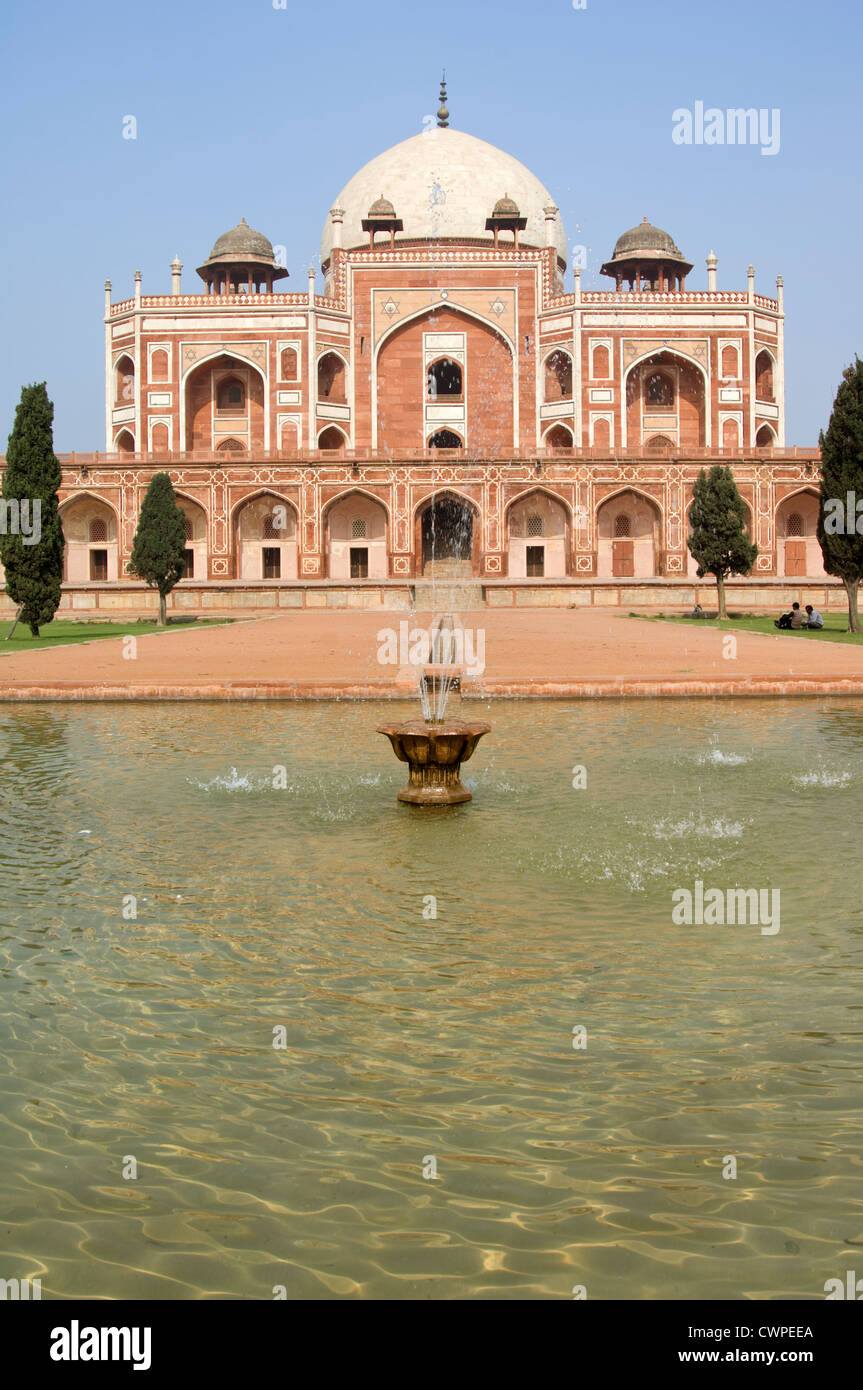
483,416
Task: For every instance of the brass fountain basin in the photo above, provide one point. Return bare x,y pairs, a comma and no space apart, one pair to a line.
434,753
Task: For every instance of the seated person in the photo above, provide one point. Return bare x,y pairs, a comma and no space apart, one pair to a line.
697,612
798,617
813,617
783,621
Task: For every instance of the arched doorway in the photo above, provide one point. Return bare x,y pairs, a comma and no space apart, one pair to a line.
538,537
628,529
90,528
798,553
266,539
765,438
448,537
195,520
356,538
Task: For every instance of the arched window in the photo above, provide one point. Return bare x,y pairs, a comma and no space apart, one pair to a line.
331,378
231,446
601,364
98,529
558,377
729,362
331,438
534,524
289,365
445,439
765,438
659,441
658,391
794,526
125,442
559,438
622,525
231,395
125,381
444,379
764,377
358,528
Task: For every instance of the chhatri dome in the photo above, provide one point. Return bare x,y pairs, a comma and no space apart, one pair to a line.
443,183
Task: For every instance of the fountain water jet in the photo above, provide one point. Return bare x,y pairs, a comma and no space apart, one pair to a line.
435,747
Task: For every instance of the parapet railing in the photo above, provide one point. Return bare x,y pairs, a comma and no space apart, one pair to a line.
219,301
641,297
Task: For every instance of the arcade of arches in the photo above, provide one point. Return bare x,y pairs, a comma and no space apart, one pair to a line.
386,532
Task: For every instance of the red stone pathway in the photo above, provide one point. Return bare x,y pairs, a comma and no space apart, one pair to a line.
551,652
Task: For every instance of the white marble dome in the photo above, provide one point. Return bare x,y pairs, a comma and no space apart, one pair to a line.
443,183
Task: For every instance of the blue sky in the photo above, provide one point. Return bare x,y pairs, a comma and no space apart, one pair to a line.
243,109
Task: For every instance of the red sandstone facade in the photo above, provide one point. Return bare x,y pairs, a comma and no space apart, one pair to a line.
444,384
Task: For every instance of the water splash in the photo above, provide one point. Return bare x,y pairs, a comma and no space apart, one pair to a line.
823,778
698,827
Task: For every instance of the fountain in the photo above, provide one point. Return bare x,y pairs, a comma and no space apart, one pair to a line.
435,747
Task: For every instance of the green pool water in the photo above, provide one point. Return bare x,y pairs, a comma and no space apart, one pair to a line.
301,901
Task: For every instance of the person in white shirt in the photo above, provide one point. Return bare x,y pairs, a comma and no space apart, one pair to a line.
813,617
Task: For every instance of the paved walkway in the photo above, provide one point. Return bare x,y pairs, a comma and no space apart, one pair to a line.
551,652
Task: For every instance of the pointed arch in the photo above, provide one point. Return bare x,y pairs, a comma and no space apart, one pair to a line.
124,442
197,403
197,522
765,368
332,439
559,436
356,526
798,552
633,549
557,374
765,437
262,550
538,528
447,533
331,375
666,391
124,380
433,308
91,528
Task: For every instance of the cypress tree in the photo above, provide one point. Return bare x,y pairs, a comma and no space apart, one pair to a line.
718,541
160,541
840,519
31,536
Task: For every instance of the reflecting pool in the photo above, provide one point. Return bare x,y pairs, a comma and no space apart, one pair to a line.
186,885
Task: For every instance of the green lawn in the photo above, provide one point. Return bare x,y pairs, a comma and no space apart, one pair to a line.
834,630
60,634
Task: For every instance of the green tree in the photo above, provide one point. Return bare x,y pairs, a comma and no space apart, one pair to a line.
160,541
31,536
718,541
840,519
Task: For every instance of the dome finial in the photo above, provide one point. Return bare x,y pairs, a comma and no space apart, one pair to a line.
443,114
